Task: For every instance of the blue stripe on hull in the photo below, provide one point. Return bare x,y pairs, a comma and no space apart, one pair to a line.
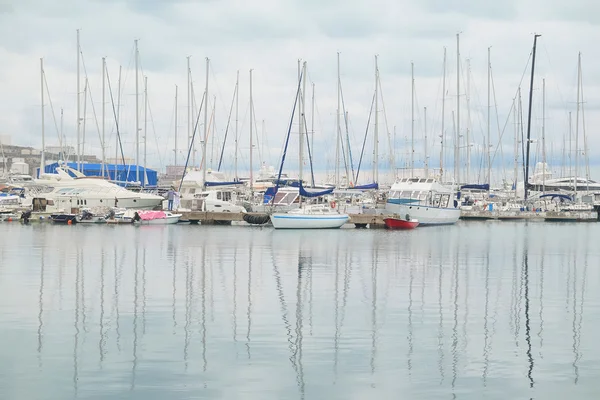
309,218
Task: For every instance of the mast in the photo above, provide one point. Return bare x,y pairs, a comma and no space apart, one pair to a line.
137,118
175,149
205,124
457,133
117,122
189,107
516,150
337,130
443,114
544,133
43,156
85,91
570,146
237,101
489,143
103,116
78,107
412,120
376,138
535,36
468,141
302,122
425,141
145,128
312,123
251,139
577,124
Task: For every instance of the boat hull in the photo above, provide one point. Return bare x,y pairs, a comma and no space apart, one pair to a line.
397,223
308,221
424,214
172,219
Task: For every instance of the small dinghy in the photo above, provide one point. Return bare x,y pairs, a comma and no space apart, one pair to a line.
396,222
155,217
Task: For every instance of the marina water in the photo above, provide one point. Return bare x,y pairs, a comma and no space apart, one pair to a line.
476,310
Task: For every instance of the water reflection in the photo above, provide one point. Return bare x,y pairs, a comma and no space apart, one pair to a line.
352,315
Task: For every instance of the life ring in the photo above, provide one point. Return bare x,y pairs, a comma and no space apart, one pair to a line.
332,204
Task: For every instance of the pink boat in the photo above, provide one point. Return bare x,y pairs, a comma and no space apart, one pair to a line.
144,217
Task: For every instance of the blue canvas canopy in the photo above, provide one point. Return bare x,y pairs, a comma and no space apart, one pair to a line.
484,186
368,186
224,183
122,174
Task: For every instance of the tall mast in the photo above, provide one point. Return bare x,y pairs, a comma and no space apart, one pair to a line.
312,123
457,133
237,102
337,129
489,143
544,133
103,116
425,141
189,107
205,124
117,122
302,115
570,146
443,114
577,123
529,115
251,135
78,107
43,156
137,118
175,149
516,111
468,140
376,136
412,120
145,128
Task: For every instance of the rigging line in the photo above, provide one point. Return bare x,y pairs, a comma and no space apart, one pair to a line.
287,139
52,109
92,101
347,134
187,160
498,126
235,91
511,109
218,88
365,140
160,162
387,128
339,135
253,111
312,172
116,121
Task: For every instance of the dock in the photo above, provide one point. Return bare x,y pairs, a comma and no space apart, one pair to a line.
226,218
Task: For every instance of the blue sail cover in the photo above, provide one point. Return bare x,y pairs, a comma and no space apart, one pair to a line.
557,195
368,186
484,186
269,194
223,183
304,193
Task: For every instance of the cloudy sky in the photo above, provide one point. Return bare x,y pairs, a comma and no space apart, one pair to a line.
269,37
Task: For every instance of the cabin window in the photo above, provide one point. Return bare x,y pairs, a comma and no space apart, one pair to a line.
218,195
445,199
226,196
437,200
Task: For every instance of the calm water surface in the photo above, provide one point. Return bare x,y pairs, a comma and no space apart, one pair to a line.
477,310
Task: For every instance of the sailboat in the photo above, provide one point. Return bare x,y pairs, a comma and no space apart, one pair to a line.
307,216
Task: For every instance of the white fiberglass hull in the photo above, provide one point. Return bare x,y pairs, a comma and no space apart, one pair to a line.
426,215
171,219
308,221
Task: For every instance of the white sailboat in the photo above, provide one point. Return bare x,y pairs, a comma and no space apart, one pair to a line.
308,216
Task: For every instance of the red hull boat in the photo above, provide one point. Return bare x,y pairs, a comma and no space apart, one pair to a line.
398,223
